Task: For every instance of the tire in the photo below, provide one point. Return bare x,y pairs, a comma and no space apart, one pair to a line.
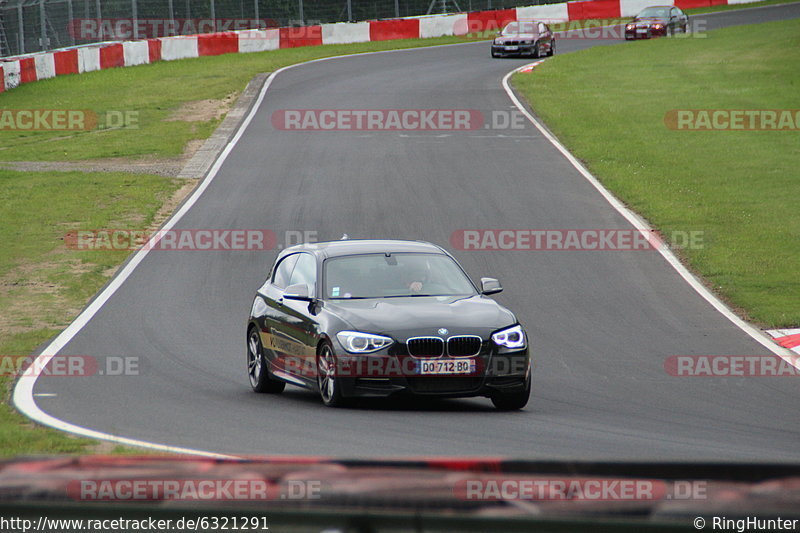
552,48
512,401
536,52
327,382
257,368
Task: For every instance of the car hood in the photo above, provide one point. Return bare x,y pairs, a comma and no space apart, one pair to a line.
650,20
517,37
423,315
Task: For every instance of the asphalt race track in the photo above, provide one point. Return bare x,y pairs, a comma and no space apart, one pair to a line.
601,323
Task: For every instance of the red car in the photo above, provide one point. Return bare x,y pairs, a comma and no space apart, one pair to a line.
657,21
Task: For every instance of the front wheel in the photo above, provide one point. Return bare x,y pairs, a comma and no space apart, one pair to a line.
552,48
537,52
327,379
512,401
257,371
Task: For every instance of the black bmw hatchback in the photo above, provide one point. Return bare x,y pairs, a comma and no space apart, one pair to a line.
374,318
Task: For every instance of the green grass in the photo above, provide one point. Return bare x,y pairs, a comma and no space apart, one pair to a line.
43,283
714,9
739,188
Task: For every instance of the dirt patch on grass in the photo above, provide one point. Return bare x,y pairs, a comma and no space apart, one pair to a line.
32,295
197,111
203,110
32,301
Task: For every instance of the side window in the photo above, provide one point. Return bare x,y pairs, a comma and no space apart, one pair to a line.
305,271
674,12
280,277
542,28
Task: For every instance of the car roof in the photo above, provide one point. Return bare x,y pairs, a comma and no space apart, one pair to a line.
327,249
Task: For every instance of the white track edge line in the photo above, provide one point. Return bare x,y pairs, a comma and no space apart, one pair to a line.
23,397
640,224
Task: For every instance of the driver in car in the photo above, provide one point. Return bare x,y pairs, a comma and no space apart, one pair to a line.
415,278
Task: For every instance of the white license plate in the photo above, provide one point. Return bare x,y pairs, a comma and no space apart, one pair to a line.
641,31
445,366
511,48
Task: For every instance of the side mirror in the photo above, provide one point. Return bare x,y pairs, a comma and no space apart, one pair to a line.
298,291
490,286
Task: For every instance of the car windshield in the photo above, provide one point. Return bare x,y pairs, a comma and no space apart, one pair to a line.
396,275
654,12
514,28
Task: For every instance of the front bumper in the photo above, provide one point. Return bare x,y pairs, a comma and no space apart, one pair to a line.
513,50
649,33
388,375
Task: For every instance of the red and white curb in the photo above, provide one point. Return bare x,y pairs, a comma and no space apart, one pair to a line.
788,338
527,69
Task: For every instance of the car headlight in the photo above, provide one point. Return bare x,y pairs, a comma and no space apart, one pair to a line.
512,337
630,27
657,26
357,342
